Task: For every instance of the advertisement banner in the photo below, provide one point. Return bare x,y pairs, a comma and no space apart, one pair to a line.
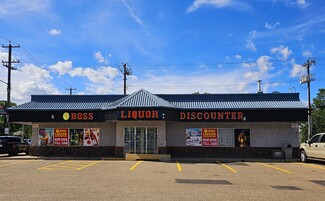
45,136
194,137
61,136
91,137
76,137
209,137
242,137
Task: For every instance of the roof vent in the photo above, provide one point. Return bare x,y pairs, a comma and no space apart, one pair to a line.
259,91
275,92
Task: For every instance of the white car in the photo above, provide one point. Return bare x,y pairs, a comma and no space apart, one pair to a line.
313,149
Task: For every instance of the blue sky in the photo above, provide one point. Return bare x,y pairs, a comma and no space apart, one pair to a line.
183,46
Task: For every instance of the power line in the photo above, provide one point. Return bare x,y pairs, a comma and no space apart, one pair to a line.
70,89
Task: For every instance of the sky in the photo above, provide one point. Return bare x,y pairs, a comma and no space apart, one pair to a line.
172,46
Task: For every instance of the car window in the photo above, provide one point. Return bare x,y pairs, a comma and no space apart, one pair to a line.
322,139
314,139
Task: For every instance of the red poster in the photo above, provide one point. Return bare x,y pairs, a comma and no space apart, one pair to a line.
61,137
209,137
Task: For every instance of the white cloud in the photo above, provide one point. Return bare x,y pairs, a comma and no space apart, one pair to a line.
300,3
189,83
55,32
297,70
31,79
250,45
306,53
100,58
9,7
239,5
282,52
249,65
102,74
61,67
249,42
263,66
270,27
132,13
237,56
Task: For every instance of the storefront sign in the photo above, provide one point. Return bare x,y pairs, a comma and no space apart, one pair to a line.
201,116
45,136
209,137
138,114
78,116
61,137
194,137
91,137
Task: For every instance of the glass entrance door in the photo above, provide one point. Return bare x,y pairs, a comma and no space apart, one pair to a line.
140,140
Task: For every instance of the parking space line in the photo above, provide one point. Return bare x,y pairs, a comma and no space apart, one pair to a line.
91,164
53,165
69,165
228,167
135,165
13,163
314,166
276,168
179,168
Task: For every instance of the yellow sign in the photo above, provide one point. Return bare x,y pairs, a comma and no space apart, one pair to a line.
66,116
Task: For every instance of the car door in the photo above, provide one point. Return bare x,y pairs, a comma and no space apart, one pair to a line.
312,146
321,147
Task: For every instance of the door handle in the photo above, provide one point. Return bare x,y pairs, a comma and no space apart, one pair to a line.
316,145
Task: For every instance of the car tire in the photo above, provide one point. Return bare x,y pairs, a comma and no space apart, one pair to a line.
14,152
303,156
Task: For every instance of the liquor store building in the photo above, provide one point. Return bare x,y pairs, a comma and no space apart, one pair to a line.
176,125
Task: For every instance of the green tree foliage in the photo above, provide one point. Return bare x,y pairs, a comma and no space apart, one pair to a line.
318,116
26,129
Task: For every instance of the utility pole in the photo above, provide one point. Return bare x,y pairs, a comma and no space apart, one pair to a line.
8,65
307,79
70,89
127,71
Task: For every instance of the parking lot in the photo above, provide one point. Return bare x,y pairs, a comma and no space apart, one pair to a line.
150,180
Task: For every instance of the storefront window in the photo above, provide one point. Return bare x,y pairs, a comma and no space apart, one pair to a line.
140,140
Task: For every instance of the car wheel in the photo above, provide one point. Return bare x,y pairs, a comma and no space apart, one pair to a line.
14,152
303,156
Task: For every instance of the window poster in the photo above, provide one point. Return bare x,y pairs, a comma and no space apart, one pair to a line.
194,137
209,137
91,137
45,136
76,137
61,137
242,137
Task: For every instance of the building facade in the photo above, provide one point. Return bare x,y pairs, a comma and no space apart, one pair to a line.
180,125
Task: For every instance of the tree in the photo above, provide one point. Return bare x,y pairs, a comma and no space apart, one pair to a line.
318,116
26,129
